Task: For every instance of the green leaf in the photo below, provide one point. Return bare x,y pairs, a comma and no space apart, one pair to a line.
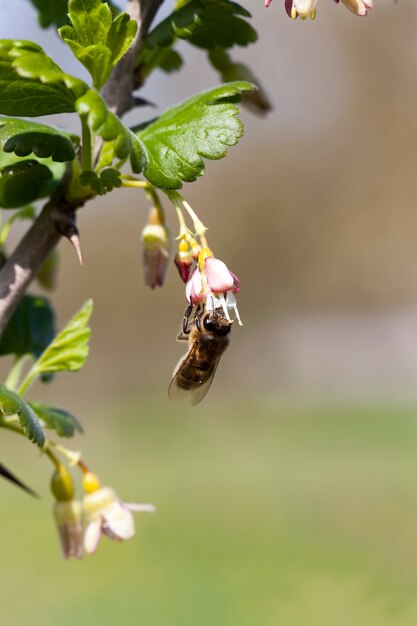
57,419
51,12
30,329
165,59
57,169
203,126
170,61
229,71
156,51
224,25
104,123
23,138
104,182
31,84
69,350
12,404
23,182
54,12
180,24
95,38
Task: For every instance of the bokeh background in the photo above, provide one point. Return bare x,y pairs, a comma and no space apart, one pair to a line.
289,497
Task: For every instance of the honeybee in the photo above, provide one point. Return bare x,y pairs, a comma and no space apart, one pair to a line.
207,336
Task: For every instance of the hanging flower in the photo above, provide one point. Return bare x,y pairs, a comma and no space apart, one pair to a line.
214,284
67,513
358,7
307,8
156,245
68,517
107,514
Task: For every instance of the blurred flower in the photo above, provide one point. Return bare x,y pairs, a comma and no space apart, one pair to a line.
156,245
215,285
359,7
68,517
107,514
303,8
67,513
307,8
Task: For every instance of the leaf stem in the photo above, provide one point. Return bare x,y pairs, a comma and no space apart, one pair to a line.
199,227
137,184
28,380
15,372
86,152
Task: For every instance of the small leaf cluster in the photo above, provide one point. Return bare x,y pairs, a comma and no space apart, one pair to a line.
166,151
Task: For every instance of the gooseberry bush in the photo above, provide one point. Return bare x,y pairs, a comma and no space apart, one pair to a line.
47,175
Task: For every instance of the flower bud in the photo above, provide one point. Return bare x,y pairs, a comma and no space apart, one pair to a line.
68,518
156,245
91,482
61,484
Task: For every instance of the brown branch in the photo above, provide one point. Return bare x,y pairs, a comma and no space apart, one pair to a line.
57,218
118,91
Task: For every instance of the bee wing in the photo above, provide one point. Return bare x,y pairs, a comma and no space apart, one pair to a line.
197,390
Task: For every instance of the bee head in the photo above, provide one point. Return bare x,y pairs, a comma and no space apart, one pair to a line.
215,322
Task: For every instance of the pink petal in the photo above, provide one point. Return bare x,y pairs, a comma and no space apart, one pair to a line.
194,288
219,278
236,283
288,7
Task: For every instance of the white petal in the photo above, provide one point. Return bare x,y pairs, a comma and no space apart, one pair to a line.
146,508
92,536
119,521
305,8
232,304
224,307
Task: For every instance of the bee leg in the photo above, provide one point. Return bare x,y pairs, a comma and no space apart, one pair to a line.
185,330
186,319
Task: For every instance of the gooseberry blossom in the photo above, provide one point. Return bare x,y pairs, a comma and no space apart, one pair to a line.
358,7
68,517
107,514
307,8
156,246
214,285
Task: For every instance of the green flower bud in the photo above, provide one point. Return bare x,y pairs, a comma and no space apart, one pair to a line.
62,486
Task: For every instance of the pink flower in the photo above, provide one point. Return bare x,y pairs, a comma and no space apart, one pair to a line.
214,286
156,247
307,8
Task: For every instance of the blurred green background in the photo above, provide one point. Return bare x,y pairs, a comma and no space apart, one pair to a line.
289,496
